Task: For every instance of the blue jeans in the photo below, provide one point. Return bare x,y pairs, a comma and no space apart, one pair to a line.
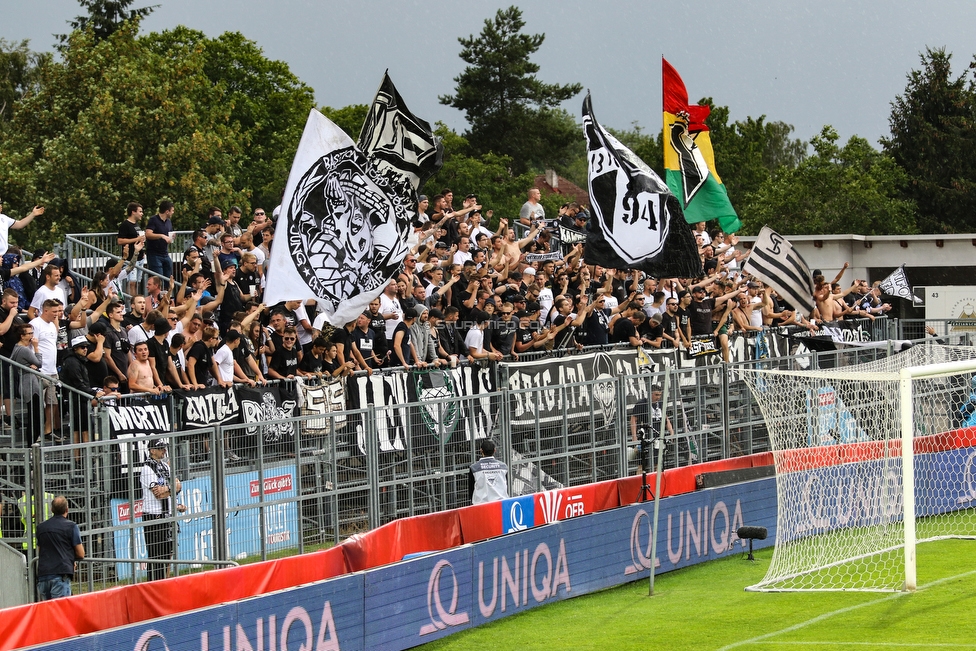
161,264
52,586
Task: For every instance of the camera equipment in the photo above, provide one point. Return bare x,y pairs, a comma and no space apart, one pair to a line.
750,534
644,447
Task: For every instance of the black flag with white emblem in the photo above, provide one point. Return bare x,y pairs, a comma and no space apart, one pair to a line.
398,143
637,223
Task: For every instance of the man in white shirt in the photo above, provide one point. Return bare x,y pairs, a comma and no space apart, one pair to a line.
46,331
390,309
50,289
223,359
8,223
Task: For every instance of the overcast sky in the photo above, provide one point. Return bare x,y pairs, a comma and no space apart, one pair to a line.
807,64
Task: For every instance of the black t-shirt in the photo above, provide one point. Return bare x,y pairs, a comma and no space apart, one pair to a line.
700,313
159,354
377,324
404,345
9,338
649,419
203,355
310,364
117,346
342,338
669,326
247,281
597,329
503,335
284,362
623,330
366,343
565,336
128,231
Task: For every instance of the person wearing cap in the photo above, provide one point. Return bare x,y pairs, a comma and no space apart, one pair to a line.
422,204
74,374
213,229
702,307
159,490
159,235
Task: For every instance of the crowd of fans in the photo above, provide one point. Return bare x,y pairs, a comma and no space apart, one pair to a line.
465,292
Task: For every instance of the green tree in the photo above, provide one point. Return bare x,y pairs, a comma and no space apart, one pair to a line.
268,104
117,122
20,71
104,17
487,175
510,112
933,137
854,189
748,153
348,118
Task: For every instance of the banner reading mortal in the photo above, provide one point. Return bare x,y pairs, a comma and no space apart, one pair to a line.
637,223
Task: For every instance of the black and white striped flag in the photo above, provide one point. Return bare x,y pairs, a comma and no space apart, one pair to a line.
896,284
775,262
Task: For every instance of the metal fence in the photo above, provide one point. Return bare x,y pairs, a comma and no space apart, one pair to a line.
307,482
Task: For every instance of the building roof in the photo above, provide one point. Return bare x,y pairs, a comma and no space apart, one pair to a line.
552,183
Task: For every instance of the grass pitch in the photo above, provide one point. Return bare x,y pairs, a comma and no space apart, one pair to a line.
706,607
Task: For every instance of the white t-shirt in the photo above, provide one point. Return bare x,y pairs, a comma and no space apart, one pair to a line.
388,305
5,224
43,293
138,334
475,340
224,358
304,336
47,344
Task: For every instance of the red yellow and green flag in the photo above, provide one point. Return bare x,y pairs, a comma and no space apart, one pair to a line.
689,161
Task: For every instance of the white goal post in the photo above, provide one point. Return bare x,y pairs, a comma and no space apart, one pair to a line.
870,460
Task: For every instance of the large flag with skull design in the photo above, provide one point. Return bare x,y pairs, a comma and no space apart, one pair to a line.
689,161
637,222
345,215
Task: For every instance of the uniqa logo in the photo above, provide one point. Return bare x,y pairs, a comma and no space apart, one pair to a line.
539,575
145,640
641,559
442,618
517,517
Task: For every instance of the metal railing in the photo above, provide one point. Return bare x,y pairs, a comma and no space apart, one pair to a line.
308,482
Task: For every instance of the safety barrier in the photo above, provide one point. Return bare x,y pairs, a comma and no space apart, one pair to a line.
376,449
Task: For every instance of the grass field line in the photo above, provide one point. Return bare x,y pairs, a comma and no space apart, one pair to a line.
762,639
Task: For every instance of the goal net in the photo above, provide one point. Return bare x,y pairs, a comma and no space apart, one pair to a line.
870,459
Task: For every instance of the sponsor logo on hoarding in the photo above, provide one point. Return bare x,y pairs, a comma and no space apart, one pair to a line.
277,484
518,514
552,509
969,485
297,618
641,559
442,618
522,576
123,510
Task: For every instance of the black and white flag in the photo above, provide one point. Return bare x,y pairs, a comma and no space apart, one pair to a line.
637,223
342,232
570,235
775,262
896,284
401,145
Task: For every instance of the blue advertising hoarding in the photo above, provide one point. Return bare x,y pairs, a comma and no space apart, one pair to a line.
195,540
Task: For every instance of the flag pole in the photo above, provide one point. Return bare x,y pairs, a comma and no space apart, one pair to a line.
659,444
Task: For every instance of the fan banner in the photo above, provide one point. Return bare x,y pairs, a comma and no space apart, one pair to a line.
637,223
